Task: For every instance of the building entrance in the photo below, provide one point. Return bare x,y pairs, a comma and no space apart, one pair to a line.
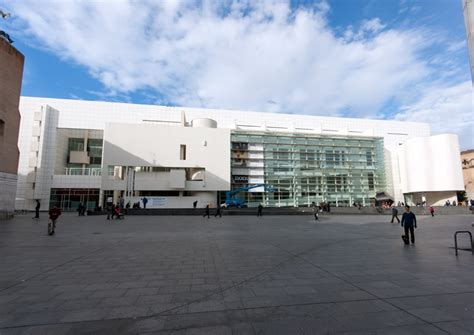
69,198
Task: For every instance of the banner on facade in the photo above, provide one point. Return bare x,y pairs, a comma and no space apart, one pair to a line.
240,179
240,153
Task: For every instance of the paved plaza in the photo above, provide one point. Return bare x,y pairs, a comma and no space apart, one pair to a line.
235,275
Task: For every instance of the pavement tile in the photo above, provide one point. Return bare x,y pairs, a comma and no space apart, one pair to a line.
284,275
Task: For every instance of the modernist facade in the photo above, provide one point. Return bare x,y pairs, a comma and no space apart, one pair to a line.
11,74
95,152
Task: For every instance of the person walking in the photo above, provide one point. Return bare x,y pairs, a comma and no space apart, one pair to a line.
110,212
315,210
195,204
145,201
206,212
395,214
432,211
259,210
37,209
409,224
218,212
79,209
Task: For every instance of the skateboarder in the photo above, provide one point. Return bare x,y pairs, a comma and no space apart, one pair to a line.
409,224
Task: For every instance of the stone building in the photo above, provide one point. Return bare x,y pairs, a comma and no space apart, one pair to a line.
11,73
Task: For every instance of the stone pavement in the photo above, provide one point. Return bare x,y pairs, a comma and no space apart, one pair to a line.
235,275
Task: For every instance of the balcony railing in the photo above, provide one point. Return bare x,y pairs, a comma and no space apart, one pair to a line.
83,171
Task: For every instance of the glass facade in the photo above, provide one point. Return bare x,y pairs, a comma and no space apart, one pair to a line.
69,198
94,150
303,168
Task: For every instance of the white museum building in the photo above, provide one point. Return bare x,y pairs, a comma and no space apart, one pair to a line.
74,151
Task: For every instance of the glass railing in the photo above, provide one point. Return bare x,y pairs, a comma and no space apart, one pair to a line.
83,171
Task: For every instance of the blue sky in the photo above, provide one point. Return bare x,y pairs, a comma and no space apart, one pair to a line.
391,59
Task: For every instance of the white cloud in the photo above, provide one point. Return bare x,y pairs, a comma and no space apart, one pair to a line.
449,109
238,55
373,25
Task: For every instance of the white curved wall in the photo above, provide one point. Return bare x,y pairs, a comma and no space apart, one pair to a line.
431,164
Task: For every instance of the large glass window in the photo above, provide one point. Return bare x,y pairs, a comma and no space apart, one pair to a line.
307,168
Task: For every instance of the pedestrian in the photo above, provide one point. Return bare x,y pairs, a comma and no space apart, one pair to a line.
218,212
110,212
79,209
329,208
195,203
395,214
145,201
315,210
122,203
259,210
37,209
206,212
409,224
54,214
431,210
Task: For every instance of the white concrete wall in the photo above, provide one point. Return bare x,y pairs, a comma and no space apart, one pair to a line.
159,146
37,145
431,164
203,199
69,181
61,151
46,157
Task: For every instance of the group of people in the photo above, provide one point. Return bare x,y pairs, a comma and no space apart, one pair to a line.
358,205
460,203
207,210
115,211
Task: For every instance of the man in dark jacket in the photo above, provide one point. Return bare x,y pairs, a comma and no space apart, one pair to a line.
37,209
206,211
409,223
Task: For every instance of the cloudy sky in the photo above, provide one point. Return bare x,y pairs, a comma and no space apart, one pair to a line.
391,59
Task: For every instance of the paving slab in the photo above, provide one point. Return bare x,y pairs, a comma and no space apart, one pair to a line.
236,275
